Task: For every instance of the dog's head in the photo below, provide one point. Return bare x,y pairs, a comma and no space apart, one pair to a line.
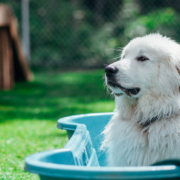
147,64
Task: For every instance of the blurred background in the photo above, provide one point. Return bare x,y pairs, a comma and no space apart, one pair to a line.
75,34
66,44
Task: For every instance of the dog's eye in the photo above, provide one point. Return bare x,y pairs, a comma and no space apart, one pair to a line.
142,58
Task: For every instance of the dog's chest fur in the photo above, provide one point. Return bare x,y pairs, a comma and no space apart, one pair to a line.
129,144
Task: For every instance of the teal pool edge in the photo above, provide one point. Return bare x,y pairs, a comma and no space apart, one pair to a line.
46,163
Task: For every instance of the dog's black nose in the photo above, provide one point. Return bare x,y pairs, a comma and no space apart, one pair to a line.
111,71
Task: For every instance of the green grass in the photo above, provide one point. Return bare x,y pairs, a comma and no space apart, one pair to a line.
29,112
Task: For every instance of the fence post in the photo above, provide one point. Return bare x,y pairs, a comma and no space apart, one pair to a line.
25,29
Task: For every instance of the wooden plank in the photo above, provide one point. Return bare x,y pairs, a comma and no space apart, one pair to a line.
1,62
5,15
6,61
18,48
13,65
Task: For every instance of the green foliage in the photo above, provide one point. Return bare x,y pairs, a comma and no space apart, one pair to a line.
165,16
118,34
160,20
29,113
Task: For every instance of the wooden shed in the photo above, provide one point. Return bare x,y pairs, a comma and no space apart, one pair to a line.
13,66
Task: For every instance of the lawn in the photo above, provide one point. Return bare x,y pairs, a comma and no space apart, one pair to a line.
29,113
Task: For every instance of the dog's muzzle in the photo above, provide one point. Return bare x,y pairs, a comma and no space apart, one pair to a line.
111,71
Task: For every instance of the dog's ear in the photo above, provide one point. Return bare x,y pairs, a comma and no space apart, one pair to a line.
178,70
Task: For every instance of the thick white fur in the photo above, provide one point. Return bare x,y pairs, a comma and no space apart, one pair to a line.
126,141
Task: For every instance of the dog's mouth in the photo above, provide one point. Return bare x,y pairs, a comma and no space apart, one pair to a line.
129,92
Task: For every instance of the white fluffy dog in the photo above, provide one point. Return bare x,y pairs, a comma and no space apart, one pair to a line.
145,81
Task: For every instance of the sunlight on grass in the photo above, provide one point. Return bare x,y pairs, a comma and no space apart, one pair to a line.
30,111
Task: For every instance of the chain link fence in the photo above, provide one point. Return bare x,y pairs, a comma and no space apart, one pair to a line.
90,33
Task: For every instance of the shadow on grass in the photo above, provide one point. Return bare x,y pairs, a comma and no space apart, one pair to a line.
54,95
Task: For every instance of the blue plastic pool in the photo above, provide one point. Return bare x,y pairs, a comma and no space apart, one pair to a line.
81,158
